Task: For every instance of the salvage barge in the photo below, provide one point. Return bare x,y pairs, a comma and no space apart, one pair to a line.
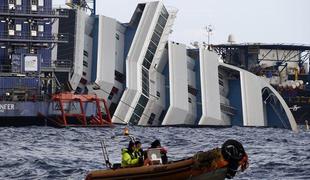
63,109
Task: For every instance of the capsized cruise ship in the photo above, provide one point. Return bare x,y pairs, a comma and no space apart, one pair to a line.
284,66
147,80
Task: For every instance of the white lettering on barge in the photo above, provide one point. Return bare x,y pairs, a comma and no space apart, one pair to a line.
4,107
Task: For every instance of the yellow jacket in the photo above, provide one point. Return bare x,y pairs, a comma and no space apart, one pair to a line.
128,159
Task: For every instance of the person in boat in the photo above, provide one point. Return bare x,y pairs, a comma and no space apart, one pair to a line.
139,153
138,149
163,151
129,159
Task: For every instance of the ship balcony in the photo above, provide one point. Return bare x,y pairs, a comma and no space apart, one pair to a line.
29,37
40,13
228,109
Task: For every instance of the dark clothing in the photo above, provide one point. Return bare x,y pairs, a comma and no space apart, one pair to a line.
155,144
163,154
139,153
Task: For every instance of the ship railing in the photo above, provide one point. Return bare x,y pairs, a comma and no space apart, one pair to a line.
41,12
8,68
39,37
61,63
268,72
297,100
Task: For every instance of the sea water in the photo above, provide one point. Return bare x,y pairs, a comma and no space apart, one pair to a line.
70,153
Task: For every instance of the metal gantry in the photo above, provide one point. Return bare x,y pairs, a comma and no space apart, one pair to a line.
244,54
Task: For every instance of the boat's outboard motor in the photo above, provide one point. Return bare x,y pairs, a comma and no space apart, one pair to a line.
233,152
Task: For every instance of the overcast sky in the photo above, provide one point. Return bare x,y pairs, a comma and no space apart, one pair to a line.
265,21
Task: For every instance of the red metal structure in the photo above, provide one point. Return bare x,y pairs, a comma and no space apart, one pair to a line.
64,115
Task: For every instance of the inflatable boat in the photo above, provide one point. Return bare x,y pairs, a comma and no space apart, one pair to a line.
218,163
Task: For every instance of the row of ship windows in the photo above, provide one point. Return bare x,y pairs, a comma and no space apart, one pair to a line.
149,56
138,111
164,12
12,3
145,81
18,27
113,91
85,58
85,64
153,44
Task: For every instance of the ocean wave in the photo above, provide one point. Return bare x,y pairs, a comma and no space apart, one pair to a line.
69,153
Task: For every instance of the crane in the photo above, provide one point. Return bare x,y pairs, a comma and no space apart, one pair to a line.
83,4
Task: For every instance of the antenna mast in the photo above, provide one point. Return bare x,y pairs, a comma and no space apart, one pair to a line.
209,30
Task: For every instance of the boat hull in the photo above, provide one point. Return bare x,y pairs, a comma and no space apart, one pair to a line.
177,170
